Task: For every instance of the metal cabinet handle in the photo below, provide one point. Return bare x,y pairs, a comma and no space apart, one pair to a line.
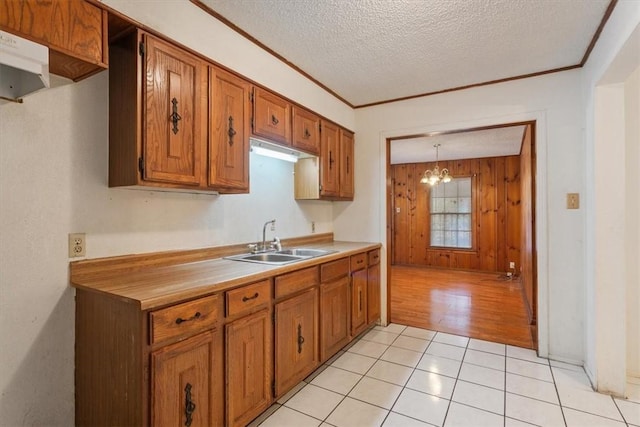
300,338
274,120
245,299
307,134
189,406
232,131
331,161
194,317
175,117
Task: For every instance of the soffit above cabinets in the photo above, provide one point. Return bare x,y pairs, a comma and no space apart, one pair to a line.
378,50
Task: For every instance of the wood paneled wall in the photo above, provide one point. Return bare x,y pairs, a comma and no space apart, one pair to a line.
496,215
527,259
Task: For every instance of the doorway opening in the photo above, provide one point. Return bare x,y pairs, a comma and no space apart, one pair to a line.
462,255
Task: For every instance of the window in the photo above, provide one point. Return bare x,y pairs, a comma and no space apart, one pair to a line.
451,214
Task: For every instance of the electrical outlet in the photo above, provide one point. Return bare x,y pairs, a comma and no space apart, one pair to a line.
77,245
313,226
512,265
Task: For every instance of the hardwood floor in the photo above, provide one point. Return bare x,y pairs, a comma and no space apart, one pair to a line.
478,305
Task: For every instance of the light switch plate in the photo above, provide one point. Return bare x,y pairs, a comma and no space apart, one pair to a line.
573,200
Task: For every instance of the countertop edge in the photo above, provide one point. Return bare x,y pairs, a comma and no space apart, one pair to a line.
196,279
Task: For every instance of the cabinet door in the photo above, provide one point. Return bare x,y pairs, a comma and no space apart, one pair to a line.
229,131
346,164
182,382
306,131
329,155
271,117
296,340
171,134
373,293
358,301
248,361
334,317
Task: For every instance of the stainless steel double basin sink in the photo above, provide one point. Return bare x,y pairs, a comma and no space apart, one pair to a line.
285,256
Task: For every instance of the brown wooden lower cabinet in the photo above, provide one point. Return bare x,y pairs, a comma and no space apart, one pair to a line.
182,385
296,339
220,359
248,361
334,315
358,301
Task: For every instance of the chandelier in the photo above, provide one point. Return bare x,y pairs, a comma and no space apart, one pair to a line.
433,177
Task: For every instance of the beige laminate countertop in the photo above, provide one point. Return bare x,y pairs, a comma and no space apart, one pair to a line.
156,286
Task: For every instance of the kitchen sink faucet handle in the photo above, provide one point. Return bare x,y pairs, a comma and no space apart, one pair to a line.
276,244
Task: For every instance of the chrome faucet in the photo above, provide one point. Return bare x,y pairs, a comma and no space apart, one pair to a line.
264,233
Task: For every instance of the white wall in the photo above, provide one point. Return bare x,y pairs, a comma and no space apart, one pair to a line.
632,249
555,102
53,181
612,61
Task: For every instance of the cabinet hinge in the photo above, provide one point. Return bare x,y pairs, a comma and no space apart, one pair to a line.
273,317
273,388
141,49
320,127
141,165
251,123
251,96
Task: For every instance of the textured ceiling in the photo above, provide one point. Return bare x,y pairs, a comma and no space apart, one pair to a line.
474,144
368,51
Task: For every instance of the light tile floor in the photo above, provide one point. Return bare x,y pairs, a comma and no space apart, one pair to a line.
405,376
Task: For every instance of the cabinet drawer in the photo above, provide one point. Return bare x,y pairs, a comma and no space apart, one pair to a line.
374,257
296,281
248,297
334,270
183,319
358,262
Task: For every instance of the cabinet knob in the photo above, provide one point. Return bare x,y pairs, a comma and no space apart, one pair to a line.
274,120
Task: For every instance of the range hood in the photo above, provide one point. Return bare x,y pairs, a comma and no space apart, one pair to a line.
24,67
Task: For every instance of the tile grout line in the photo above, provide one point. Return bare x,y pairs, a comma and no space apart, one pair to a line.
444,420
564,418
504,398
405,383
620,411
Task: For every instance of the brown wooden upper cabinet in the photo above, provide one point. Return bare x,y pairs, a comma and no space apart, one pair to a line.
346,165
329,160
271,117
330,178
159,85
74,31
306,131
162,100
228,131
